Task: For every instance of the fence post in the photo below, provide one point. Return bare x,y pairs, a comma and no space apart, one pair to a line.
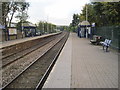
112,34
119,41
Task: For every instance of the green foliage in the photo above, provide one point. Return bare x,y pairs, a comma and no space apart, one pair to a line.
19,25
10,8
102,13
45,27
75,22
63,28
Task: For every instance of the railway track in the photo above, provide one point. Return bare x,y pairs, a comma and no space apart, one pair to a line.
6,60
12,70
36,73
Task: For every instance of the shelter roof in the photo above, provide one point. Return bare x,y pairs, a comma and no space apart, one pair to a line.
85,23
29,25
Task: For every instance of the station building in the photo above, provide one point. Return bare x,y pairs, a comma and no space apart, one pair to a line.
29,29
11,33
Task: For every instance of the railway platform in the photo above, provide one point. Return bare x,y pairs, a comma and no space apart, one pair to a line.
8,48
17,41
83,65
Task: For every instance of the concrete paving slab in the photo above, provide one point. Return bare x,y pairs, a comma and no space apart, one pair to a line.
83,65
60,76
91,66
16,41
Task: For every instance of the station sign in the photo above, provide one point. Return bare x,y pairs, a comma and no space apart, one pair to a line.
93,24
12,31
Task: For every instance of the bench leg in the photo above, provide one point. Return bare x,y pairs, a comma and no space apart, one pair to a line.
106,48
103,47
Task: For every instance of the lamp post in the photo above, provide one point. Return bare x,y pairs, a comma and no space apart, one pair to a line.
1,13
47,24
86,24
22,28
86,13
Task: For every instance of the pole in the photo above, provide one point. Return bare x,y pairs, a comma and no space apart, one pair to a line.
1,13
22,24
86,20
86,13
1,22
47,24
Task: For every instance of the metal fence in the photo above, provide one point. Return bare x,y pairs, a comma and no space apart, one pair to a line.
110,32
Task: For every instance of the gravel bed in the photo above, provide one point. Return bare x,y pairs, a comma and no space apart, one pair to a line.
31,77
9,72
16,56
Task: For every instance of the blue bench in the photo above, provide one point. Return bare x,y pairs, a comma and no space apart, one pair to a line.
106,44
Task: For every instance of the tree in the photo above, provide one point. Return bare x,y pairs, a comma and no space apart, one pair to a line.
19,25
76,20
22,13
45,27
40,27
102,13
112,12
10,8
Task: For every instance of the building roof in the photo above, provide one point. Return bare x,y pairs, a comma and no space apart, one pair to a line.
29,25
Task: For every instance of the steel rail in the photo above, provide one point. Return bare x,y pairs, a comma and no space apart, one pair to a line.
44,78
4,65
3,88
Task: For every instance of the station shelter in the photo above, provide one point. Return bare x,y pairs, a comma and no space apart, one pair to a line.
29,29
84,29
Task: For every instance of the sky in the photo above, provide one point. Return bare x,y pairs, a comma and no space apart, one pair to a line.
58,12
